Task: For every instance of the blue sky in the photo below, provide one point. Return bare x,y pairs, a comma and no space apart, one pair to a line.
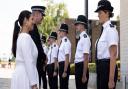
10,10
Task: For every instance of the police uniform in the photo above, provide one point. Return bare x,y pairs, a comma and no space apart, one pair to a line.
43,74
108,37
39,8
43,39
37,40
64,49
83,46
45,48
51,55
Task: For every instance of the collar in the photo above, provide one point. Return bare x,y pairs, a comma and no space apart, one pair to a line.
53,44
106,24
65,37
82,33
43,44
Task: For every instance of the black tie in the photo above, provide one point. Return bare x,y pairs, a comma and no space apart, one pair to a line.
51,54
97,42
58,48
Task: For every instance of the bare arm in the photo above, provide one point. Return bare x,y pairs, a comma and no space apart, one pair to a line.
55,65
113,54
85,63
66,62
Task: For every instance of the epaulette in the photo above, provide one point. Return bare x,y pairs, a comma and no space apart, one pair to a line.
54,45
111,25
85,36
65,40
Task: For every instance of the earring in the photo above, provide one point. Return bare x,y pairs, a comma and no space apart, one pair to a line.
26,24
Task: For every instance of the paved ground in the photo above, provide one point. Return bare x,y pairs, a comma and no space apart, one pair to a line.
4,83
5,80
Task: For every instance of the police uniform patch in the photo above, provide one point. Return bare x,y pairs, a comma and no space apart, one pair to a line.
85,36
111,25
65,40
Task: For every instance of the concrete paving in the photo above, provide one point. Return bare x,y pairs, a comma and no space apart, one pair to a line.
5,80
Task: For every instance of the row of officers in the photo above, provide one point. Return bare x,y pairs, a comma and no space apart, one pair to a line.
56,61
59,56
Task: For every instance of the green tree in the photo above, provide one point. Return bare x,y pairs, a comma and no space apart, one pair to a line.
55,13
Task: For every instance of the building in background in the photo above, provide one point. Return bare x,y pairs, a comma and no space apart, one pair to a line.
124,38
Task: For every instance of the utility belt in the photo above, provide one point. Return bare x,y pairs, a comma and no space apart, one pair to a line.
52,64
103,60
62,62
79,63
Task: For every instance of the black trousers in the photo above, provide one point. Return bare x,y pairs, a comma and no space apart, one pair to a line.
78,76
42,75
64,82
53,80
102,70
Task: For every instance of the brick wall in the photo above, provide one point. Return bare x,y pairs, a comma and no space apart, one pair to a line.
94,32
72,36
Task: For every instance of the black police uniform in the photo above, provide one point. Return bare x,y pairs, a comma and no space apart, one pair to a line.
41,56
105,40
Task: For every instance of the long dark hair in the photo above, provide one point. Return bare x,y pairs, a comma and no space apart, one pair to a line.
17,26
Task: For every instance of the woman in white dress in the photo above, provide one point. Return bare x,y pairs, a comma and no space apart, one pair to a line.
25,75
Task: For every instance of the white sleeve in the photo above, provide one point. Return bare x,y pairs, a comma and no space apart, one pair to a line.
28,59
86,45
55,52
67,48
112,37
45,49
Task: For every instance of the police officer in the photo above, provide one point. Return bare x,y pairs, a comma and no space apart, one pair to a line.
64,56
43,40
82,54
43,75
52,64
38,15
106,48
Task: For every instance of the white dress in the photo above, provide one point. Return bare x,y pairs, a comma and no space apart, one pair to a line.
25,74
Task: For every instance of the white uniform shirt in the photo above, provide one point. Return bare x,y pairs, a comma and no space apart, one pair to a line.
52,53
65,48
83,46
45,48
109,37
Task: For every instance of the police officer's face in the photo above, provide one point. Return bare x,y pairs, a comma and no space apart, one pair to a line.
61,34
38,17
51,40
48,41
103,16
79,27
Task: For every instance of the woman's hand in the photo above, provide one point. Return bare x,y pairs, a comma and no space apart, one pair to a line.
34,86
